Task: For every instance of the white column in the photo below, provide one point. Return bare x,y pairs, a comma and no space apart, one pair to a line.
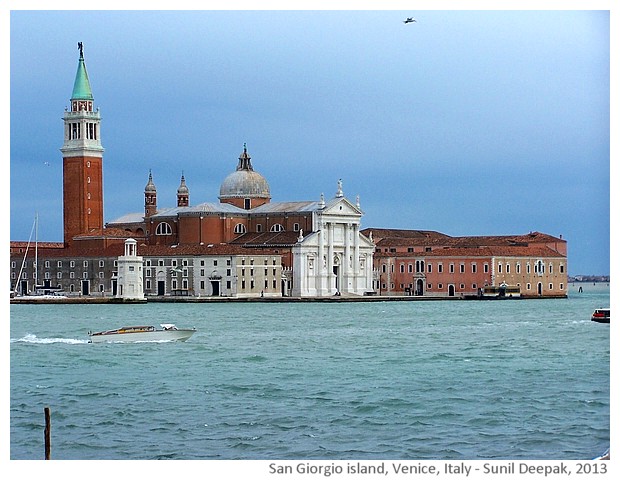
356,249
347,250
330,256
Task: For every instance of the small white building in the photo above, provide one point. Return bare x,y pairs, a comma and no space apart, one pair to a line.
130,281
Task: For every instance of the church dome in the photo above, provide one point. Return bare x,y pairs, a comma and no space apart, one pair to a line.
244,182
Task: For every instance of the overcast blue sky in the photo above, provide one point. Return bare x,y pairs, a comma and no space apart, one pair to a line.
465,122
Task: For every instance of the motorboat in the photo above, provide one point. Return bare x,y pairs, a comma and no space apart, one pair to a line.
143,333
601,315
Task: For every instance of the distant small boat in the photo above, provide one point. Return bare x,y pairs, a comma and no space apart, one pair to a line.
601,315
500,292
143,333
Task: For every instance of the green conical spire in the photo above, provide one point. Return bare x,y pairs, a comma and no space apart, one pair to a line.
81,86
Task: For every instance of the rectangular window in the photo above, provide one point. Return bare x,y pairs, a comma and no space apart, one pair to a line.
429,268
452,268
462,268
486,268
474,268
440,268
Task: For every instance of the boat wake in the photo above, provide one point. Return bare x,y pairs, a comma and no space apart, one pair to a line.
30,338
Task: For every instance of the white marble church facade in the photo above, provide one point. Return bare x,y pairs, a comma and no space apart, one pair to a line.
335,259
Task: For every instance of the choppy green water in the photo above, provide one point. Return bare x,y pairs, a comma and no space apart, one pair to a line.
525,379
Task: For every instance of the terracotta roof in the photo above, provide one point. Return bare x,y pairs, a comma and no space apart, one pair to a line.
195,250
409,238
273,239
105,233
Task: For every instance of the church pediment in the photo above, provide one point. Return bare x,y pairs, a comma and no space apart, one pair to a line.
341,206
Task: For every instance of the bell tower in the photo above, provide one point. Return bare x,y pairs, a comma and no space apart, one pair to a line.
82,160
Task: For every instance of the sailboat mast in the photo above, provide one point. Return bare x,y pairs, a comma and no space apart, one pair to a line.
36,251
21,270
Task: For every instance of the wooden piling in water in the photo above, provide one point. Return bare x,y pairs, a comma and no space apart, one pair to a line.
48,428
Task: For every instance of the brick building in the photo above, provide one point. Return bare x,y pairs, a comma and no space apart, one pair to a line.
432,264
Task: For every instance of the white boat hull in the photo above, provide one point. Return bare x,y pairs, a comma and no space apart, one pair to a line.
179,335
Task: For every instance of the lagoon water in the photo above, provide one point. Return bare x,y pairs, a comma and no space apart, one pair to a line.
423,380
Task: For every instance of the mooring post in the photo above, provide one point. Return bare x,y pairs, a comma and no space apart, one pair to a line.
48,428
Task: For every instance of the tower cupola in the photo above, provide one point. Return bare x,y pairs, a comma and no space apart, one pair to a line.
150,197
183,194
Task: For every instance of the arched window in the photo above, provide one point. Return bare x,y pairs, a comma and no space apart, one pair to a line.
277,228
163,229
240,228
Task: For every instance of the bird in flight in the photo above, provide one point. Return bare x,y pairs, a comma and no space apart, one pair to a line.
409,20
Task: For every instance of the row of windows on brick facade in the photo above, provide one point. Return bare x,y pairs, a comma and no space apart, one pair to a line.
203,263
164,228
148,262
474,286
185,284
539,267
